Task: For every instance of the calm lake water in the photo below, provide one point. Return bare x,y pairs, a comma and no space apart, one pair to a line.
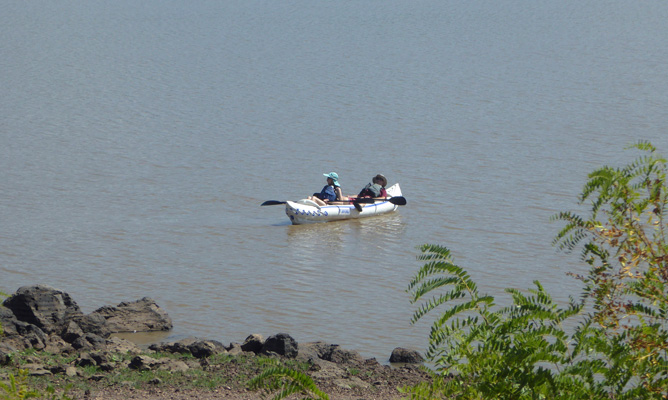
139,139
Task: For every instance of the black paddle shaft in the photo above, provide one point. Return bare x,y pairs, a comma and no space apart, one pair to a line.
398,200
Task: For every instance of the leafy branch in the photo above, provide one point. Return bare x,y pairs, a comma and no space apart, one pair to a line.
284,382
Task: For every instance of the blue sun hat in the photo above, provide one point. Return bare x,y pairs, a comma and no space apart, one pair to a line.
333,176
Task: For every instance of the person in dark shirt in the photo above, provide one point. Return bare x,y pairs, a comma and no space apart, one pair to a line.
330,192
376,188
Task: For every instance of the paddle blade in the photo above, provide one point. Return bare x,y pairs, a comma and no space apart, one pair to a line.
272,203
398,200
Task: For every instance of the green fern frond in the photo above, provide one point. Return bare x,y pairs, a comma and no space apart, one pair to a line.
575,230
431,285
644,145
433,303
433,250
442,267
469,306
643,309
289,382
17,387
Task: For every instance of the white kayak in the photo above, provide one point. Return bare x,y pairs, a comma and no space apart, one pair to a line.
308,212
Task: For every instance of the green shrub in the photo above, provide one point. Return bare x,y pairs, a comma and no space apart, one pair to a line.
521,351
479,351
284,382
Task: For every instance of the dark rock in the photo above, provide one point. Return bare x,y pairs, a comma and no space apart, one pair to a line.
6,354
234,349
329,352
31,335
206,348
8,321
340,356
71,332
313,350
197,347
90,341
94,323
139,316
253,343
48,308
281,344
143,363
107,367
181,347
85,360
100,357
14,331
56,345
401,355
57,369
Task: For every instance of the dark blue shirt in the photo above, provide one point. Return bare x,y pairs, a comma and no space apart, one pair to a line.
327,193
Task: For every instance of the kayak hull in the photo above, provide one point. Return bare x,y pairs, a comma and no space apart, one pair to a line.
307,212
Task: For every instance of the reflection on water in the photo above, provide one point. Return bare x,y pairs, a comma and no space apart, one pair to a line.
319,233
382,229
329,241
386,225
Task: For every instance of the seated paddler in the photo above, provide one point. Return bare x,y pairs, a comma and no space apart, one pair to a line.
331,192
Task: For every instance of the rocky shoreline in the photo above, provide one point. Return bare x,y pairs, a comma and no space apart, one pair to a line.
46,320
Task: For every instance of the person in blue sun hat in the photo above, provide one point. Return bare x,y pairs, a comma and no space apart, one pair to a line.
330,192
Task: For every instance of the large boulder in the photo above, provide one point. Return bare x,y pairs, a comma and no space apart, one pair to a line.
94,323
206,348
138,316
253,343
48,308
402,355
281,344
341,356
